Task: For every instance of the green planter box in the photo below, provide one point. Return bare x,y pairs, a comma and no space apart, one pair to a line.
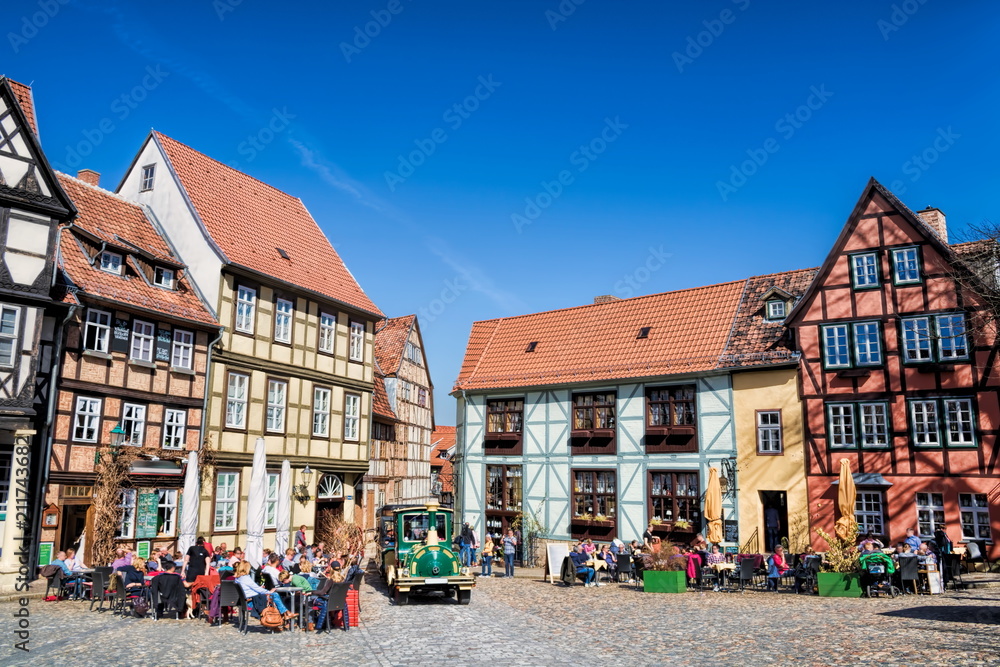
664,582
839,585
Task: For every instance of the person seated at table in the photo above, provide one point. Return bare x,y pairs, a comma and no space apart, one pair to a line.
289,560
353,567
635,548
60,562
169,586
335,572
912,540
611,559
295,580
867,547
122,557
251,590
716,557
777,567
581,560
588,547
925,555
303,567
876,543
236,556
74,563
134,574
617,546
270,568
178,559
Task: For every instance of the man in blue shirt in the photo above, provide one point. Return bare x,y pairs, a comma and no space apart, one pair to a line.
912,540
580,561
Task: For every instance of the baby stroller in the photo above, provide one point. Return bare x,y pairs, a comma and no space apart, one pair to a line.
876,578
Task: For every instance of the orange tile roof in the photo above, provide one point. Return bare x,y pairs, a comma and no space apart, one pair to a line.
390,340
249,220
380,400
689,330
443,439
24,98
112,218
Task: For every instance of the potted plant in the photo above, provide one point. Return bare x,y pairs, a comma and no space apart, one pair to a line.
666,572
840,576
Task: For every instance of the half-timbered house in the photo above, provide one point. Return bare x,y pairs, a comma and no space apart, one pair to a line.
442,474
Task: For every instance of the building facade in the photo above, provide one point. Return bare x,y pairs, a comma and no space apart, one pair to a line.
295,363
442,472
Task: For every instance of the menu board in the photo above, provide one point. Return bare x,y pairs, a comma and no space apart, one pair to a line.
145,519
120,335
142,549
732,531
163,337
45,553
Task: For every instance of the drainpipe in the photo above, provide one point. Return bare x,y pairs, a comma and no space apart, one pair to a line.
208,382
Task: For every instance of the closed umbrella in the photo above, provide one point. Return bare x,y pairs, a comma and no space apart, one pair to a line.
189,509
713,507
255,506
284,510
846,496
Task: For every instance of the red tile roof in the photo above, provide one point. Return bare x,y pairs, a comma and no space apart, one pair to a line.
380,400
443,439
250,220
390,340
112,218
24,98
688,333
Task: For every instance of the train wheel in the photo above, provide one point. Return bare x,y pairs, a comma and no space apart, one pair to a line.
464,597
402,599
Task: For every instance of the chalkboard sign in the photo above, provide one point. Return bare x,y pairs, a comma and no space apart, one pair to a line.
163,344
732,531
45,553
555,553
120,335
145,520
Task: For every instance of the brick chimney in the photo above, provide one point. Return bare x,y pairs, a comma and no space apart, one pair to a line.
605,298
935,220
90,177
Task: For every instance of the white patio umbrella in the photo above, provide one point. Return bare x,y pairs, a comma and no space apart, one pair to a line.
255,506
189,510
284,510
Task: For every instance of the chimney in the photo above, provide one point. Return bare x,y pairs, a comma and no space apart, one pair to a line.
605,298
90,177
935,220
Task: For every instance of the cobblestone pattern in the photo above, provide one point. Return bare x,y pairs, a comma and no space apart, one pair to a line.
525,622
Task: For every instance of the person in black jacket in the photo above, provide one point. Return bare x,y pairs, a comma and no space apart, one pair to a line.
169,588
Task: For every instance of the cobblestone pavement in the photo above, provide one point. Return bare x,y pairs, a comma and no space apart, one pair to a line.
527,622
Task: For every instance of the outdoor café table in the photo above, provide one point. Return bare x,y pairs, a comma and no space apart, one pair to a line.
296,595
81,576
723,570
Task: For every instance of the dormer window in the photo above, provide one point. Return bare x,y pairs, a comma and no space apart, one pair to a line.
148,174
111,262
776,309
163,277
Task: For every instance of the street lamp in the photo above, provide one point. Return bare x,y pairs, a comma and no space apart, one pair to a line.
117,440
302,490
727,480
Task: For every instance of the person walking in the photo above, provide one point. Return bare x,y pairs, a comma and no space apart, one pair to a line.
465,544
509,549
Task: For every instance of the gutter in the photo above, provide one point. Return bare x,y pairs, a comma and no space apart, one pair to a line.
208,384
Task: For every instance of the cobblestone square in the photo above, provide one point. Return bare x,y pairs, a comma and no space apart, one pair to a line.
527,622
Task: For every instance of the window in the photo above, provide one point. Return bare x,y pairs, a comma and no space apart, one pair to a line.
357,341
413,354
930,513
5,466
386,432
321,412
769,432
236,400
330,487
593,412
868,512
126,524
975,516
163,277
271,500
775,309
174,426
87,420
924,422
850,423
952,343
835,350
143,335
422,397
906,266
246,306
671,407
867,347
503,488
180,356
864,270
327,332
594,495
917,339
864,338
352,416
959,425
97,331
166,513
148,174
133,423
504,415
276,393
949,332
674,496
111,262
874,424
840,432
404,390
226,495
8,334
283,321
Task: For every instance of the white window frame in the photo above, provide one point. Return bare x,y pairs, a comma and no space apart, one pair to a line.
182,351
163,277
237,391
869,505
909,265
327,332
917,346
98,321
769,439
864,270
283,313
357,351
841,426
957,347
930,512
167,505
867,343
87,417
111,262
925,422
404,390
352,417
133,422
421,397
174,428
227,496
147,177
277,396
321,412
874,425
126,523
246,308
413,353
960,432
974,512
840,331
143,341
776,309
271,500
9,338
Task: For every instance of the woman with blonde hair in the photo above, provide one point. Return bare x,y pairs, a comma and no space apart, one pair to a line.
252,590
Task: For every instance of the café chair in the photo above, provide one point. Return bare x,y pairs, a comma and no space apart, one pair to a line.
231,595
624,568
976,551
907,567
99,590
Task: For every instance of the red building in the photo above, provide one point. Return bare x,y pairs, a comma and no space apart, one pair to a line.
898,377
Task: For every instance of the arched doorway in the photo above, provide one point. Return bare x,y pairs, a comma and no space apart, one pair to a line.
329,497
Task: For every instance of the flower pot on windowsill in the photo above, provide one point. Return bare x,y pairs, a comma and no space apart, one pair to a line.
503,436
654,581
839,584
592,522
603,433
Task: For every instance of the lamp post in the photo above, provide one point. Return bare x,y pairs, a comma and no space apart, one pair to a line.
117,440
302,490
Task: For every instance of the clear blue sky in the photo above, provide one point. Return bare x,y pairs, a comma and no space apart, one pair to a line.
884,84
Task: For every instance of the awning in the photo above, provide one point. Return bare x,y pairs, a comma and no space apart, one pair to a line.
144,467
866,479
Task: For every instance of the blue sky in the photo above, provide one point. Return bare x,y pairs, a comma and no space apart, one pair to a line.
488,159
